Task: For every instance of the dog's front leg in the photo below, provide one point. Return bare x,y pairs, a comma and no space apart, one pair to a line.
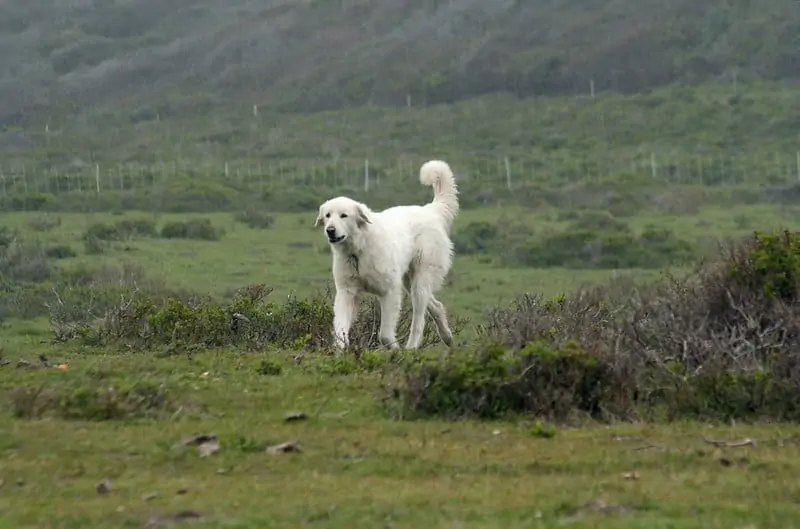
344,311
391,303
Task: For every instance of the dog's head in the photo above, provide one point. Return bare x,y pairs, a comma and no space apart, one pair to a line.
342,218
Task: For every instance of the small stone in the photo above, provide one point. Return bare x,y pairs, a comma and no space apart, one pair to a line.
150,496
104,487
210,448
284,448
293,416
199,439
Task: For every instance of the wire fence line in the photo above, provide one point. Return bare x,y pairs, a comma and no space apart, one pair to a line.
492,172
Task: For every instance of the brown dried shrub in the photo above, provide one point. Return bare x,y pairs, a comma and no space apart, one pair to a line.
722,342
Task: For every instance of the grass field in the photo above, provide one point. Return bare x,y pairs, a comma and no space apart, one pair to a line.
291,256
359,466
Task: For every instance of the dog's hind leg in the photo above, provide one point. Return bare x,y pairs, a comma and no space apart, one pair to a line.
391,303
436,308
420,298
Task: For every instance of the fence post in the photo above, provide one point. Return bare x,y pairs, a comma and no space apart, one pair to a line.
508,173
366,175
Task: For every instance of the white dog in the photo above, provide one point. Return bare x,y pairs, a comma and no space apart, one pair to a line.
384,253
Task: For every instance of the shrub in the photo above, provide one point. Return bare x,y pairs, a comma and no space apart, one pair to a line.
93,401
61,251
45,222
101,232
32,202
606,247
80,296
250,320
598,220
134,228
721,343
475,237
23,300
7,237
94,246
200,229
20,263
592,240
493,382
255,218
121,230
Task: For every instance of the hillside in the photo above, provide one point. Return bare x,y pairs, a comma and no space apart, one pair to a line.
59,56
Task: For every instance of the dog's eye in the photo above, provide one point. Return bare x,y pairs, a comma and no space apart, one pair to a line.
327,215
343,215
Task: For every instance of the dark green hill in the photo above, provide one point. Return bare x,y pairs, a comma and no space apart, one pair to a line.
57,56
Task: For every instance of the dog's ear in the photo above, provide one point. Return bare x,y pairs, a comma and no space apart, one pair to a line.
318,222
362,217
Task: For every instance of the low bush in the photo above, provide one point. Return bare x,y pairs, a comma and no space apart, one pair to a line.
94,246
32,284
44,222
21,262
92,400
121,230
476,237
601,248
255,218
200,229
592,240
29,202
721,343
81,296
249,320
61,251
539,379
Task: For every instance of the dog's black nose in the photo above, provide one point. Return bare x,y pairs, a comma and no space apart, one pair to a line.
330,230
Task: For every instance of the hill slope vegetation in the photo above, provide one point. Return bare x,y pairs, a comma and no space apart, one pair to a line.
59,55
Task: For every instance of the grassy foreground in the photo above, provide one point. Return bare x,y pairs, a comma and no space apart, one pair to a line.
96,436
359,467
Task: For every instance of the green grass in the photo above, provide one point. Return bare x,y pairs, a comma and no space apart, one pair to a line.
291,256
359,466
695,133
700,140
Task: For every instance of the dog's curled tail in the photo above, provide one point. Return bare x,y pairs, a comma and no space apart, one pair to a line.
438,174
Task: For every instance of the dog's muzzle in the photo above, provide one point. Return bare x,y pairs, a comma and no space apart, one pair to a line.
332,238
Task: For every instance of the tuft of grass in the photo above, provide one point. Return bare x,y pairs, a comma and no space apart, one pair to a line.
91,401
121,230
198,229
255,218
